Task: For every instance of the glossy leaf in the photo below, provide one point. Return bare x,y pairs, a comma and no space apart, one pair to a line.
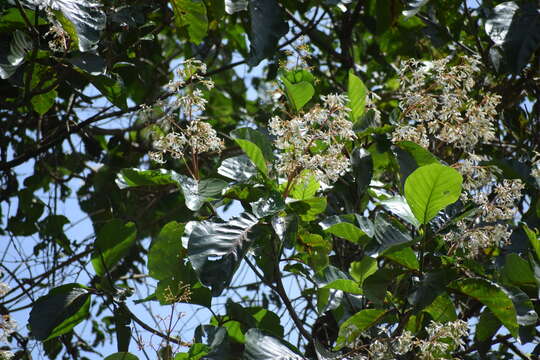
431,188
86,16
398,206
196,193
228,241
356,324
387,235
232,6
112,243
19,47
493,297
266,206
59,311
345,285
238,168
260,346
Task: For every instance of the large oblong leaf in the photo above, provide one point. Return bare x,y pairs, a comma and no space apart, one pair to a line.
491,295
431,188
112,243
264,347
357,92
229,241
86,16
267,27
356,324
196,193
59,311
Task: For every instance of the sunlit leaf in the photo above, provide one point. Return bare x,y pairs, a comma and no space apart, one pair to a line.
357,324
431,188
493,297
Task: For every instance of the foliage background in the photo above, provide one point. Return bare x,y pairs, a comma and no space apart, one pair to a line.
75,77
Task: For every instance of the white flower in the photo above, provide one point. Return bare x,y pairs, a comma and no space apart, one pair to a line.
7,326
314,141
6,355
4,289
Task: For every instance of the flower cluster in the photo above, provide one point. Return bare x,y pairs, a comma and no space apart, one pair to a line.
437,104
441,110
7,326
314,140
6,355
4,289
193,133
441,341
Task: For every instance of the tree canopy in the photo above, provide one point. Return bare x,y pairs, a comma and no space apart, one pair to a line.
370,168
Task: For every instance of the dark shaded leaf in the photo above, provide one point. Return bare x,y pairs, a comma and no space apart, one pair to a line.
270,205
112,243
362,166
398,206
19,47
267,27
387,235
138,177
59,311
122,356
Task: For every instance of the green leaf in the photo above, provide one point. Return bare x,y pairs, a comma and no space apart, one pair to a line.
112,243
258,138
361,270
122,356
166,251
111,87
442,309
357,92
431,188
518,271
256,146
305,188
260,346
488,325
351,328
345,285
533,239
493,297
309,209
286,228
196,193
43,102
342,226
191,14
376,285
196,352
59,311
298,93
137,177
229,241
267,27
404,256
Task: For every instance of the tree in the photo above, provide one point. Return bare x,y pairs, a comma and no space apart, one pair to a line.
379,157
